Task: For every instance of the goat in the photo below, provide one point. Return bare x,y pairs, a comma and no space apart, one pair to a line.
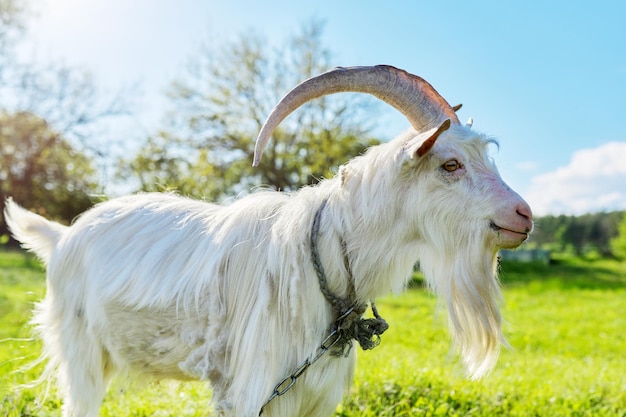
165,286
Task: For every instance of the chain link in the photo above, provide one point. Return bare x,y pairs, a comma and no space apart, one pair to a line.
287,383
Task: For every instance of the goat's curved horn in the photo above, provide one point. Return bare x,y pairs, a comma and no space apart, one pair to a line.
413,96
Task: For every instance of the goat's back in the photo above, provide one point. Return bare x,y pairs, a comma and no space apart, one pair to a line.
152,249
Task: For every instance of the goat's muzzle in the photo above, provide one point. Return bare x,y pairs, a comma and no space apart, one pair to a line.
513,230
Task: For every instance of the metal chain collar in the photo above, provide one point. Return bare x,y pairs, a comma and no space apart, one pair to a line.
287,383
349,325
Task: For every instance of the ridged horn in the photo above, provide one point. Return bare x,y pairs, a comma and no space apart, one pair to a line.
413,96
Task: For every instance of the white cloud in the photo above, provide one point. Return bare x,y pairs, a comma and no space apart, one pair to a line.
594,180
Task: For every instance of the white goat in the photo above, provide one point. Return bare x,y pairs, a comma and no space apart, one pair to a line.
161,285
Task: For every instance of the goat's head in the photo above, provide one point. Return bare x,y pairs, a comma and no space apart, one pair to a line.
457,163
444,190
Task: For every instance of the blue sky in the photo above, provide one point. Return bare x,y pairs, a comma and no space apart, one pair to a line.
546,78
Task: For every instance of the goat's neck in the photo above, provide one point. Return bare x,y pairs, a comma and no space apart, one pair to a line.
383,265
380,259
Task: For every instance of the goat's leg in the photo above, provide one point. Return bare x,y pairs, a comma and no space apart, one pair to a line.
84,367
84,374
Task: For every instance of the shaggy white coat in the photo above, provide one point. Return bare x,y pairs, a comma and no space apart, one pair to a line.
161,285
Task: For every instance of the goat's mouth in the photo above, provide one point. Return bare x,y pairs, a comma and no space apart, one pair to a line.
508,238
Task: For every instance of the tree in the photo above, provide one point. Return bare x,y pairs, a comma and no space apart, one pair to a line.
66,98
12,15
585,234
158,167
48,118
221,106
618,243
41,170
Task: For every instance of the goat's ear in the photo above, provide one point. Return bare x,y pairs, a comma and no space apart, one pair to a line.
422,143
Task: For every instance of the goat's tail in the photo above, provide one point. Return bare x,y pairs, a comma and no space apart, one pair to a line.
33,231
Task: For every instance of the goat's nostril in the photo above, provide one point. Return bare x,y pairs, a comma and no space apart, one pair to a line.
521,213
524,211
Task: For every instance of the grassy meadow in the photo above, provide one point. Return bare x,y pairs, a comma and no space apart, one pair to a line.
566,323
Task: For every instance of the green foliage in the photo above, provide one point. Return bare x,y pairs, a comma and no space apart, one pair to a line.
565,324
580,235
41,170
220,107
618,243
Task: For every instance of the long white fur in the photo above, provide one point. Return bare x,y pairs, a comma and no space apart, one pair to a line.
166,286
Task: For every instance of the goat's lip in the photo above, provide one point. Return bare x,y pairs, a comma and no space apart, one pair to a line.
510,238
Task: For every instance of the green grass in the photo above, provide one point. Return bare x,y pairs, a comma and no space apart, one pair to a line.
566,325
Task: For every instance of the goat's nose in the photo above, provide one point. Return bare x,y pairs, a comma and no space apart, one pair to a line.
523,209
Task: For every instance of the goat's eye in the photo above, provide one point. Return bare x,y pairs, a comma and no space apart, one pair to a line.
451,165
